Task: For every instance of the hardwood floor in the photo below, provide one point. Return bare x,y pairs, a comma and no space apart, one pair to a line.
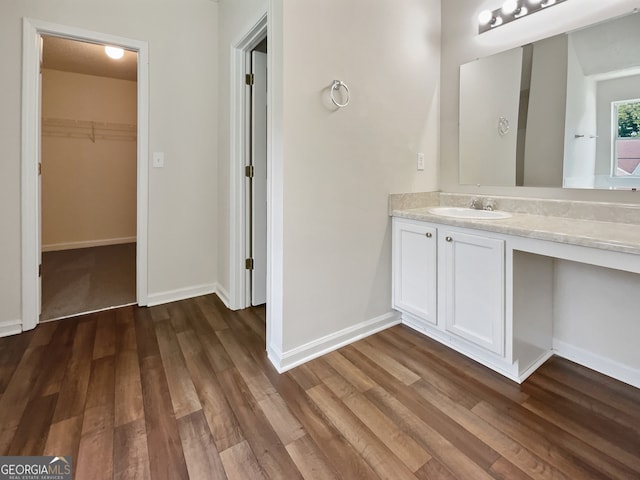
185,390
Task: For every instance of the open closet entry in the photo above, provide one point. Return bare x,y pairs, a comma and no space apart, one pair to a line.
88,177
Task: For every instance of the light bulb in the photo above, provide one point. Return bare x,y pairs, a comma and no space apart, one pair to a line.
521,12
485,17
114,52
509,7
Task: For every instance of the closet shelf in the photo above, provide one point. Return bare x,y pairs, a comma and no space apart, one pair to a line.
88,129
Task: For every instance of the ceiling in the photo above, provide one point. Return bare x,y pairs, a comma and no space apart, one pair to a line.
88,58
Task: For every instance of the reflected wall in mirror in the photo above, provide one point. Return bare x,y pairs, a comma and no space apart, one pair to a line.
562,111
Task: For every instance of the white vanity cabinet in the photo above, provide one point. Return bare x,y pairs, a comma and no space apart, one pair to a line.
449,283
472,287
415,269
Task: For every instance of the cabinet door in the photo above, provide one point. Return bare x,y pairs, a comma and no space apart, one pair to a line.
473,283
415,269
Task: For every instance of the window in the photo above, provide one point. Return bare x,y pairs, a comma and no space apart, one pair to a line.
626,138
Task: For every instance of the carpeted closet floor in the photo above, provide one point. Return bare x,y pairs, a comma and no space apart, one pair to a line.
87,279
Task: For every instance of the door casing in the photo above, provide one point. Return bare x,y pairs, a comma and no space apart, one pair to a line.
32,31
239,295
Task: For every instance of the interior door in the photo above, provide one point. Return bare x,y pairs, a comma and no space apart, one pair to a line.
259,183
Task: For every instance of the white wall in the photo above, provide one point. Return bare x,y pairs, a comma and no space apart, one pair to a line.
182,37
461,44
338,166
596,310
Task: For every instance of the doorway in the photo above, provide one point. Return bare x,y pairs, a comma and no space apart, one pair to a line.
33,31
243,246
88,177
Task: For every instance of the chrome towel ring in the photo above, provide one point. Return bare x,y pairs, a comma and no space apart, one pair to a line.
335,86
503,126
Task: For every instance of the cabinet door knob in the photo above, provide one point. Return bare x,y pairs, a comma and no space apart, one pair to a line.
429,235
448,239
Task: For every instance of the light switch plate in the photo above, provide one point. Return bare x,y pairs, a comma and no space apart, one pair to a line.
421,161
158,159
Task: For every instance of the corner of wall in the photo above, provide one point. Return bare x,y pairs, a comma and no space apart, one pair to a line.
287,360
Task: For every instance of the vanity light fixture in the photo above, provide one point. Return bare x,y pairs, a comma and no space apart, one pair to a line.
511,10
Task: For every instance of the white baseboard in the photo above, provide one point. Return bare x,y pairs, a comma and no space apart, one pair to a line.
534,366
180,294
601,364
54,247
284,361
223,295
10,327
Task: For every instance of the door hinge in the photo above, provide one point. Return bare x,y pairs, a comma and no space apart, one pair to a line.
40,270
248,171
249,78
248,264
39,168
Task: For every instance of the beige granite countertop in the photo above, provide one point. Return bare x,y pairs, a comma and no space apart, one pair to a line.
614,236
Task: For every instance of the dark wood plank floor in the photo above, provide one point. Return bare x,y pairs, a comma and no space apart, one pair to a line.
185,391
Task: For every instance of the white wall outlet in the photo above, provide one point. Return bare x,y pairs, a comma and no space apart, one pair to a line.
421,161
158,159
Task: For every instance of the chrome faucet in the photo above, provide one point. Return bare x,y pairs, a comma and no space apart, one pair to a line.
490,204
476,204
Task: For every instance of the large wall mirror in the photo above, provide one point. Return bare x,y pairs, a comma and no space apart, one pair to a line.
560,112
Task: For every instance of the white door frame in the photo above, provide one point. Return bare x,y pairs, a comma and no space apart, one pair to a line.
31,32
275,178
240,110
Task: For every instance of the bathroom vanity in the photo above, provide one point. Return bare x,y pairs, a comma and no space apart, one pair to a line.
484,287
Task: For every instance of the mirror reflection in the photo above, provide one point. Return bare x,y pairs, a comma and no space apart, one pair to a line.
560,112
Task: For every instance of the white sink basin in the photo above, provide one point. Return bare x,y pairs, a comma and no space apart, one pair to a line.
470,213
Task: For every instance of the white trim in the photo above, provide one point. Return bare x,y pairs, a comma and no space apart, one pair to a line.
31,32
79,314
238,154
222,294
275,183
534,366
596,362
180,294
29,181
287,360
54,247
10,327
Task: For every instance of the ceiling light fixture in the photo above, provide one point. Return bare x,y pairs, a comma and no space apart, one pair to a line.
511,10
114,52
